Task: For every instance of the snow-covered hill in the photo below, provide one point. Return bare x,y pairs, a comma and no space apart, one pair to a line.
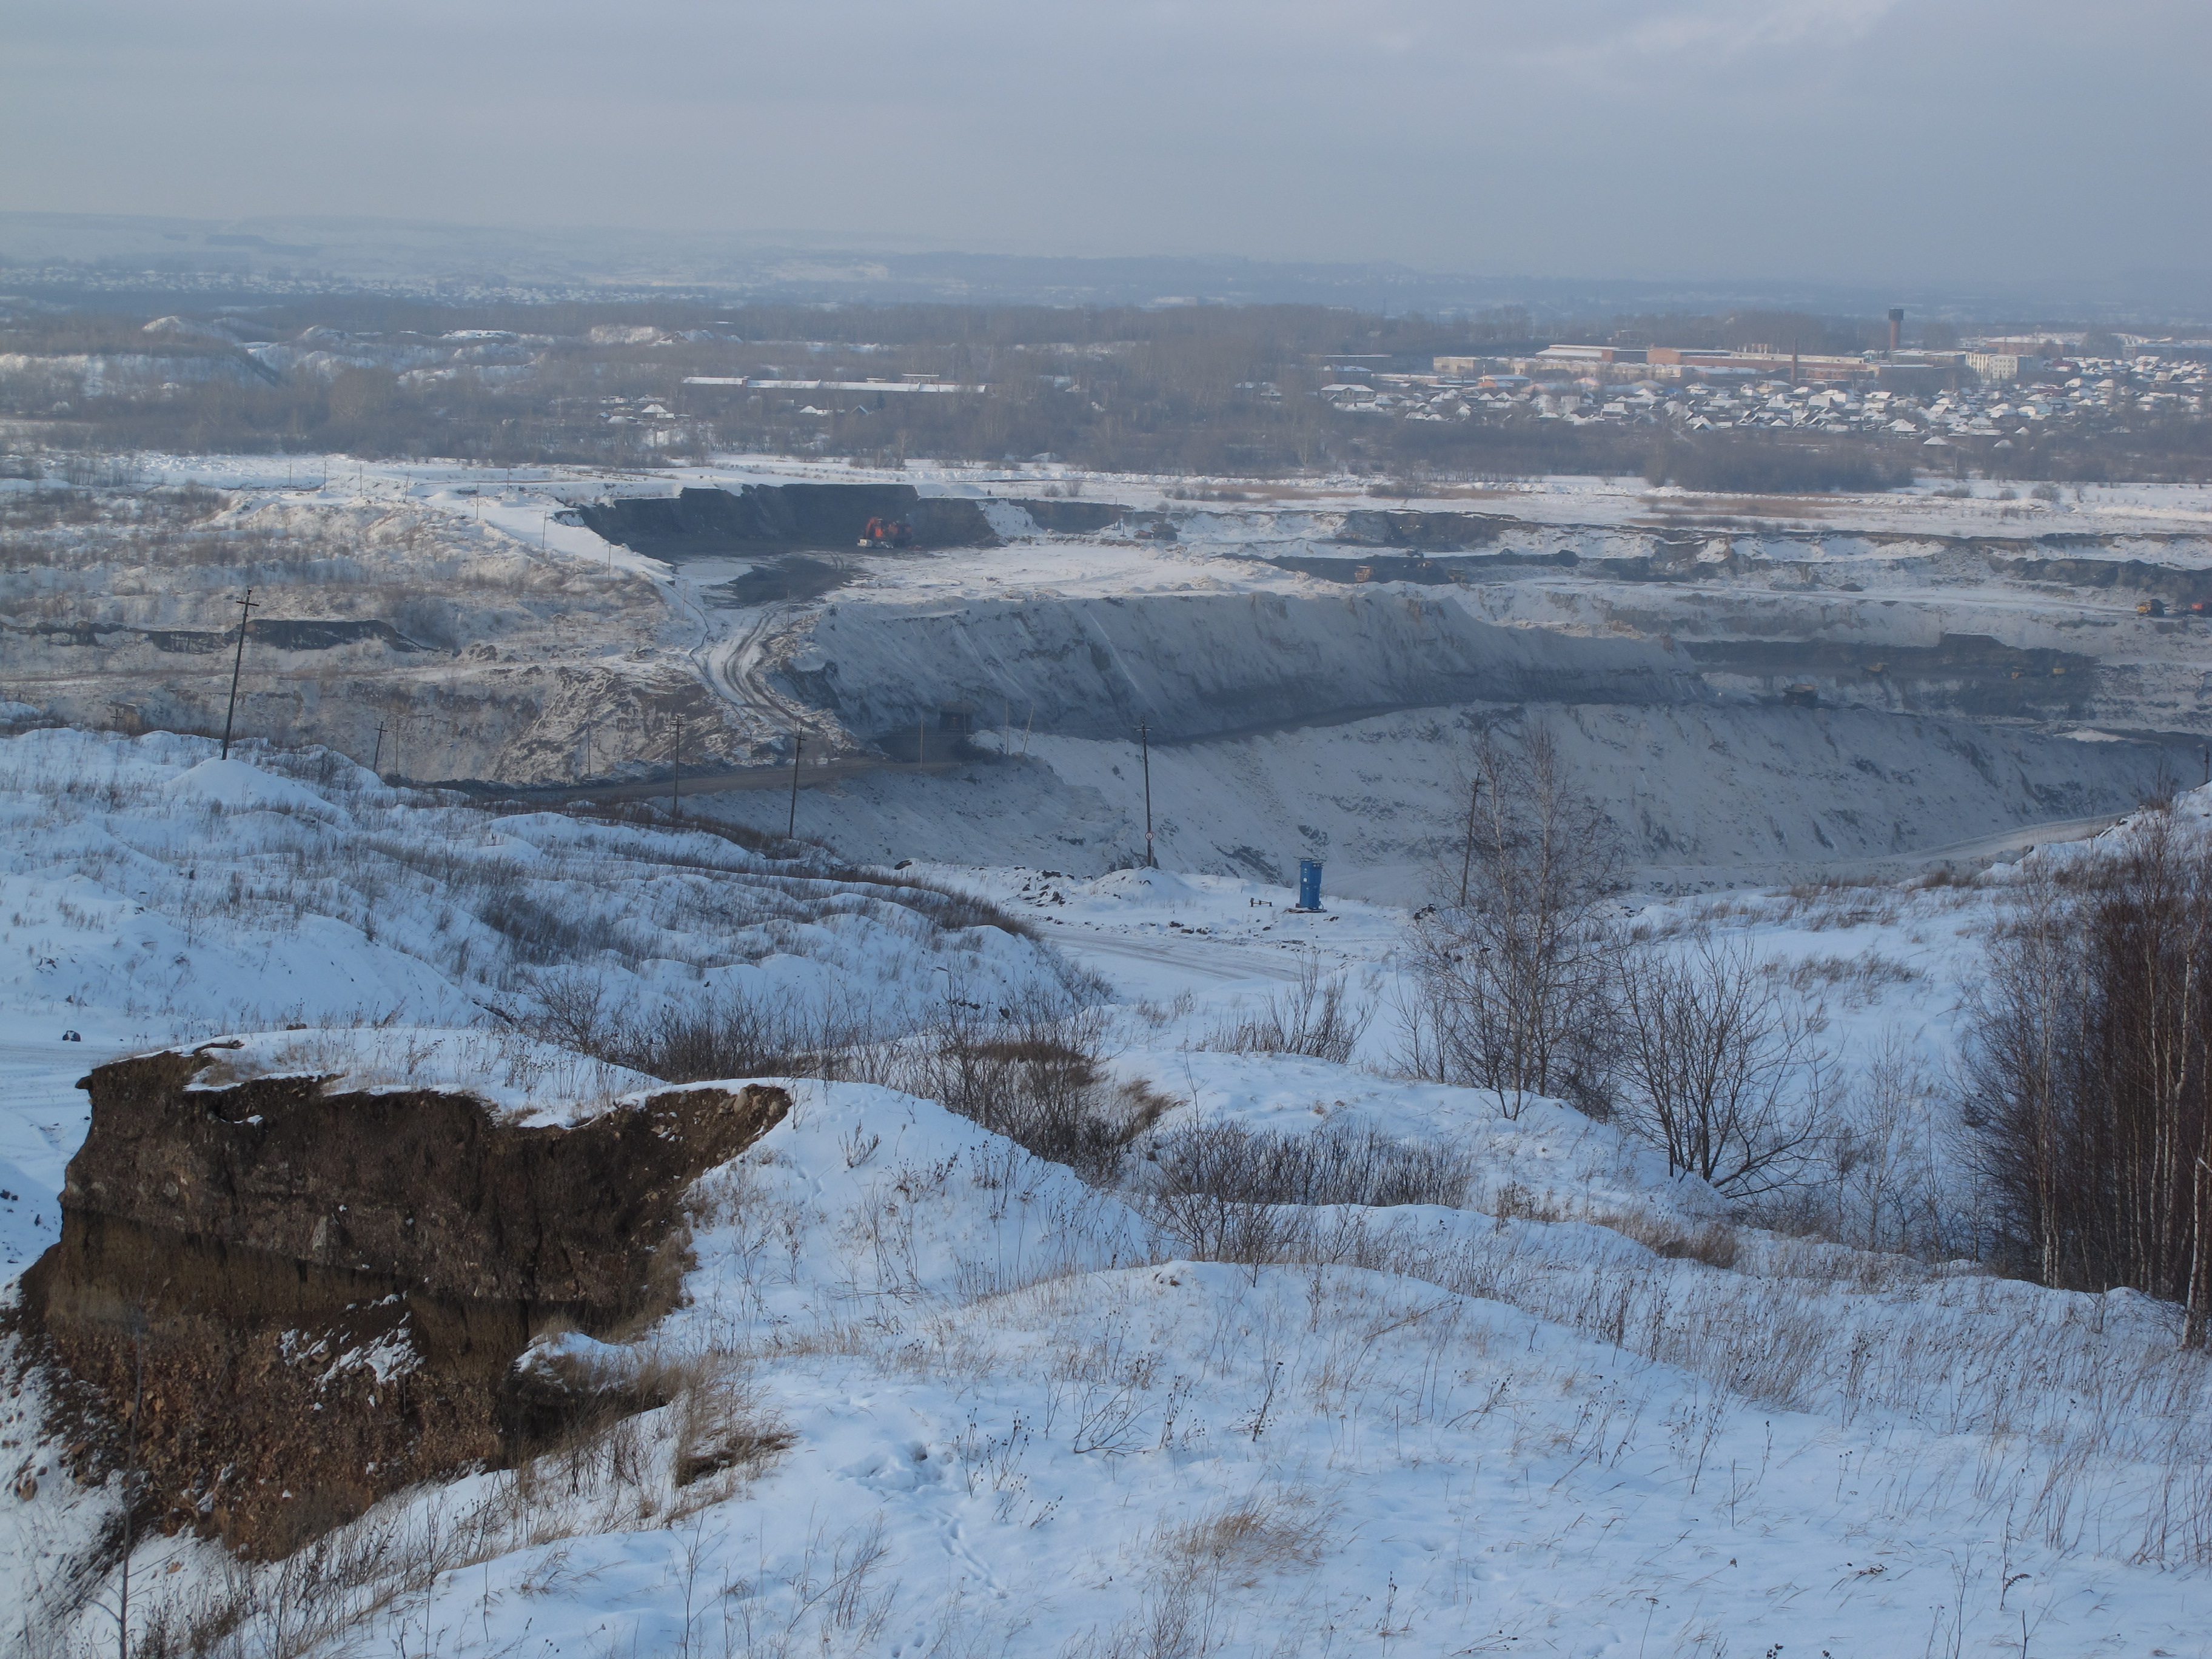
928,1394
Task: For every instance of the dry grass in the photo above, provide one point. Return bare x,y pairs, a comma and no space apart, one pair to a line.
1268,1532
1714,1243
1188,1608
1315,1018
1862,978
723,1425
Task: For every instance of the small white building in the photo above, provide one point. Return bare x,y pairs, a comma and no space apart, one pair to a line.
2002,365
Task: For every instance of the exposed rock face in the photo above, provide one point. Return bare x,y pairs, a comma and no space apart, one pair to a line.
329,1291
696,523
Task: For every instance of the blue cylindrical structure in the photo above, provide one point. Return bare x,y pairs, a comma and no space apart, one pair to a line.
1309,883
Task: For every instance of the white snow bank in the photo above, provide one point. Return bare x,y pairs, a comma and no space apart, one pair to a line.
239,784
529,1081
864,1197
1152,887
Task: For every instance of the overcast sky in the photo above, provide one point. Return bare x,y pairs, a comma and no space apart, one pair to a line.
1927,139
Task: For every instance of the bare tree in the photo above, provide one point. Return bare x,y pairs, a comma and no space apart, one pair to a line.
1722,1071
1888,1161
1514,981
2090,1070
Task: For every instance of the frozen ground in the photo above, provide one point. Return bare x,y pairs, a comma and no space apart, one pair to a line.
965,1405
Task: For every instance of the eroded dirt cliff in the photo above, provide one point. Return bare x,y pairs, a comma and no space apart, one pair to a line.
310,1299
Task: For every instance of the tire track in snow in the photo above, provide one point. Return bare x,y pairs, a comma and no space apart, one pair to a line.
1209,964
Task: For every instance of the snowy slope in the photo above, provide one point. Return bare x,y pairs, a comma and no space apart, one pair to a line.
151,893
936,1396
1005,1417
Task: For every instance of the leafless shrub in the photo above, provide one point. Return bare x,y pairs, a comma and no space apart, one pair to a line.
1878,1183
1226,1193
1208,1227
1035,1074
1329,1165
705,1038
731,1036
1513,965
574,1009
1722,1073
543,934
1314,1019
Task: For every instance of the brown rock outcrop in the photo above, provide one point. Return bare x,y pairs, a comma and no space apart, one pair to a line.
317,1298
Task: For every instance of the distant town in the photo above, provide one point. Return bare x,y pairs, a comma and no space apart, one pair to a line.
1991,392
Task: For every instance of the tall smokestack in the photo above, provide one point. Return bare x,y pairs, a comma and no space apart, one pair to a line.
1896,327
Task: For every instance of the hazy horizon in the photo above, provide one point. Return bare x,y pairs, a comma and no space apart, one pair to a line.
1838,141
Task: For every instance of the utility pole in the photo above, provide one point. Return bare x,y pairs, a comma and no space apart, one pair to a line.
675,769
798,743
1145,753
920,737
247,607
1466,857
376,753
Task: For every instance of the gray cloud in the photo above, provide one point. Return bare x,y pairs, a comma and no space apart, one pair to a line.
1849,138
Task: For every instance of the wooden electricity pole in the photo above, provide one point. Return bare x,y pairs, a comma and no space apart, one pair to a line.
675,769
376,753
1466,856
247,607
798,743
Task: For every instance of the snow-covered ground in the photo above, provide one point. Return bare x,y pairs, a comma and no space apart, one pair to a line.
943,1399
152,893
